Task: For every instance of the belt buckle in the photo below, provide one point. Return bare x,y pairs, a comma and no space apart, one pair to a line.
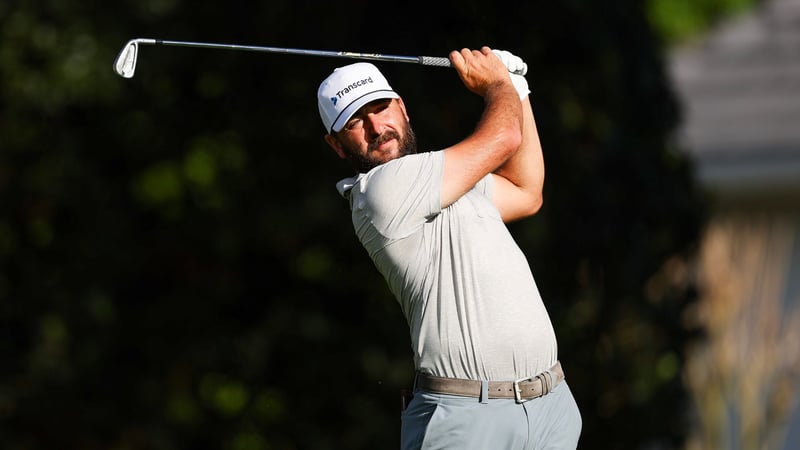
518,393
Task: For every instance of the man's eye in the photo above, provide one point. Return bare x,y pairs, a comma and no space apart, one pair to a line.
353,124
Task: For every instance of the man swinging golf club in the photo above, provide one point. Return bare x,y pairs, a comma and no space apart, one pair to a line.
485,352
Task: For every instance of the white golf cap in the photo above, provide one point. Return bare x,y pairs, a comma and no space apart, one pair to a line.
347,89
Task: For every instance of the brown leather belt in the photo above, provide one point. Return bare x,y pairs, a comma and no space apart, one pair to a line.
521,390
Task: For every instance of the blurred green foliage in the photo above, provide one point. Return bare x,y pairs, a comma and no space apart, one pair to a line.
677,21
179,272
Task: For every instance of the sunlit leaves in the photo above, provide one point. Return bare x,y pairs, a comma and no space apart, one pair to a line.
50,65
679,20
224,394
195,177
160,184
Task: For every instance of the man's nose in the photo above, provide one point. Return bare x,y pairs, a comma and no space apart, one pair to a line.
373,124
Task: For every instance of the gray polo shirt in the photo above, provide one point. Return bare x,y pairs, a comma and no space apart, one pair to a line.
465,287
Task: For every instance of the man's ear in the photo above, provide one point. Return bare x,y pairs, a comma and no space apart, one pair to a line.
403,107
335,145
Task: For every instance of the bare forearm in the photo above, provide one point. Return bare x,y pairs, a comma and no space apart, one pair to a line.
501,122
525,168
498,133
520,179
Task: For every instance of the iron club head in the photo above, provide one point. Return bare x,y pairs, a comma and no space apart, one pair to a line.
125,64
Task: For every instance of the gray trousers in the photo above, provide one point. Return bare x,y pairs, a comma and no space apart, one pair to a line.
440,421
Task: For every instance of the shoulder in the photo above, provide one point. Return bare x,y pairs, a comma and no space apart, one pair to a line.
405,172
413,162
407,187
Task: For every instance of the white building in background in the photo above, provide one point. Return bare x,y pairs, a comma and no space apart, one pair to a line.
740,91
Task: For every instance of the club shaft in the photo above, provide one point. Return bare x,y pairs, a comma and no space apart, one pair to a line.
424,60
125,63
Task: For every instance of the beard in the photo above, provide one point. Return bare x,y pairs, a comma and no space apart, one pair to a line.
407,145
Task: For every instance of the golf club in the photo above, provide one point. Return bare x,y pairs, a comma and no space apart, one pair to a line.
125,63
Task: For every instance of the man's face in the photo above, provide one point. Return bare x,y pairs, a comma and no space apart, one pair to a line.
377,133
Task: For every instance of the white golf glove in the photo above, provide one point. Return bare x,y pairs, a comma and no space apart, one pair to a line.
515,64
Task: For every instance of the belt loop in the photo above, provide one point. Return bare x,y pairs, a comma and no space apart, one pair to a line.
484,398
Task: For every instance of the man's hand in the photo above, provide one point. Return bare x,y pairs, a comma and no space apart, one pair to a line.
515,66
479,69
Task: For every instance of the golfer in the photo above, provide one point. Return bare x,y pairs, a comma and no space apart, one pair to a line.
488,375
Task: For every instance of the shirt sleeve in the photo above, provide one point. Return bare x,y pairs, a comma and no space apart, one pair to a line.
400,196
486,186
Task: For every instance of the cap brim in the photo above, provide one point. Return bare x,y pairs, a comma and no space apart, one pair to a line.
353,107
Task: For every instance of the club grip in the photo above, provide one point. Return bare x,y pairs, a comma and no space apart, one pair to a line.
445,62
434,61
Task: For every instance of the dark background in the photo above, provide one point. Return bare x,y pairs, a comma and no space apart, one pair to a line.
179,272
